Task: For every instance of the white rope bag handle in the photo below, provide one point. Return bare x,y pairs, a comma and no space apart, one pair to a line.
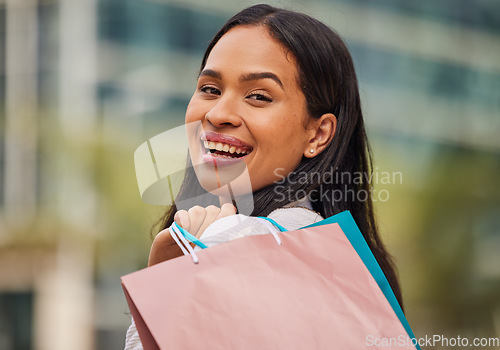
185,246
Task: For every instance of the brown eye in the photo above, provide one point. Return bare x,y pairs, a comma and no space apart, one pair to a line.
210,90
260,97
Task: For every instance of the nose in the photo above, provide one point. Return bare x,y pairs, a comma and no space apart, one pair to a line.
224,113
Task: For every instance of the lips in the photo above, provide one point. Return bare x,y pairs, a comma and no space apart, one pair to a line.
224,146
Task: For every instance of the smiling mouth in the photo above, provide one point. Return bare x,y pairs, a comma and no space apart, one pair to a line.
227,150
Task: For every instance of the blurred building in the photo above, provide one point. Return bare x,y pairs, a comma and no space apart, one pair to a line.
84,82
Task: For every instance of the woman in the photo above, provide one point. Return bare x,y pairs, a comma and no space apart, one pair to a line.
281,87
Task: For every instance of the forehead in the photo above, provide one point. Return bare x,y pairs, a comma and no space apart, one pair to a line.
250,49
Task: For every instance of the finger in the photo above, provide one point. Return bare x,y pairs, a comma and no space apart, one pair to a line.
196,217
181,217
224,200
226,210
211,215
163,248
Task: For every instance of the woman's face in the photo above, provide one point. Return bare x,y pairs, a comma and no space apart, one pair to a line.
250,107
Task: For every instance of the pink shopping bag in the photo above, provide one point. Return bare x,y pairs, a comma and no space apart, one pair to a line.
311,292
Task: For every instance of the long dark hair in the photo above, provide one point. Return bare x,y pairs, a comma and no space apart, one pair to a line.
328,80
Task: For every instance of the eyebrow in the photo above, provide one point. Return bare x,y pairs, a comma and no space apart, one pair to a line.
246,77
210,73
261,75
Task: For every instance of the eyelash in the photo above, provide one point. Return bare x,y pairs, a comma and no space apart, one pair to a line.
260,97
210,90
205,89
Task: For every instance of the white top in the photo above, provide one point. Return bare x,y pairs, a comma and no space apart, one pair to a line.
293,216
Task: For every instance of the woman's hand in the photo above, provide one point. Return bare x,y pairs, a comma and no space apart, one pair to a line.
195,221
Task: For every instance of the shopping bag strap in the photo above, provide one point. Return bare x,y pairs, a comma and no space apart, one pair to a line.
273,225
190,237
200,244
182,237
182,242
281,228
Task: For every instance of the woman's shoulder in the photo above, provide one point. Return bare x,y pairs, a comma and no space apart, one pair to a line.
295,215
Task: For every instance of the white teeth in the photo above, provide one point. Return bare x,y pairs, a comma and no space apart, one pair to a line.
219,146
222,156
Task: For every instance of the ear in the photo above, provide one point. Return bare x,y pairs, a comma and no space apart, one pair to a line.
321,132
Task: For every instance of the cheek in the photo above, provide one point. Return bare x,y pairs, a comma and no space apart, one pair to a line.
194,111
283,147
190,115
275,130
288,135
